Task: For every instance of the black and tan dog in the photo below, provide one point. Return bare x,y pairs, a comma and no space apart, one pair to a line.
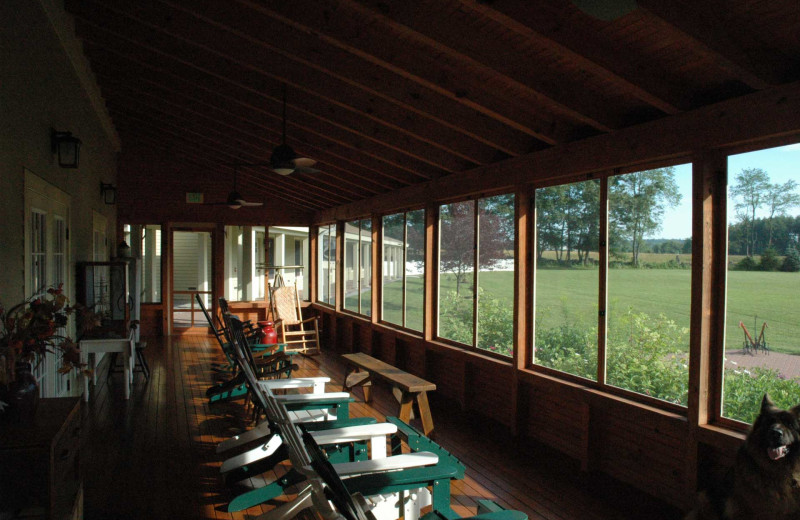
764,482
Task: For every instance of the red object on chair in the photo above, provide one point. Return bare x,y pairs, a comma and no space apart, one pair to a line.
270,336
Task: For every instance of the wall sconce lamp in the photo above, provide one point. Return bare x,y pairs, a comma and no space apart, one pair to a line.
109,193
67,147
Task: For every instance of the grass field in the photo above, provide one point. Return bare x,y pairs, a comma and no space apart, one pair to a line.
571,294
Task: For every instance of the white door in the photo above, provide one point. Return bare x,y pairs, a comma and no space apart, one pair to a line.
47,260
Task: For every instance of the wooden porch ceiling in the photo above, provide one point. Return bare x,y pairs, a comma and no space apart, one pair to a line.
386,94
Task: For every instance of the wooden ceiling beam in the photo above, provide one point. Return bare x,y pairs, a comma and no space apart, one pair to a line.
768,114
579,47
209,167
354,32
338,184
712,40
208,147
294,187
189,39
372,31
373,115
248,105
324,153
317,144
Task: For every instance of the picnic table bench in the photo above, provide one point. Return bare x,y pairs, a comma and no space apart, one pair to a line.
362,369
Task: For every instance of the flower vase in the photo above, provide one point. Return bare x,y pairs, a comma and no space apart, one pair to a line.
23,393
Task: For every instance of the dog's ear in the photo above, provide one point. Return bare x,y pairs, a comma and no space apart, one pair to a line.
796,411
766,404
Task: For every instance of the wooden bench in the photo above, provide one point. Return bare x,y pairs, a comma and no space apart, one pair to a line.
363,369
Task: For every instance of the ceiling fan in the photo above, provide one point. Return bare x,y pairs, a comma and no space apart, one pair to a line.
284,160
235,199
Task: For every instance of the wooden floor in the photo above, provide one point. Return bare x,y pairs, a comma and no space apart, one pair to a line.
153,456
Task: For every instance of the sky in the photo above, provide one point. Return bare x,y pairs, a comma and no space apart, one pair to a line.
781,164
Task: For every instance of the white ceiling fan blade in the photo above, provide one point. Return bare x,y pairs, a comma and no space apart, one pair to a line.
283,170
246,203
304,162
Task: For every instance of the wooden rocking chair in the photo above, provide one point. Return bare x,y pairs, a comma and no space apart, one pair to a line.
299,335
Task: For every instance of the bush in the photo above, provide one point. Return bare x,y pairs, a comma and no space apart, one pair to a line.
495,320
791,262
745,388
769,260
746,264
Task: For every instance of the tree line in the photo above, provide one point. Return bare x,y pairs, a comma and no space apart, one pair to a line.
754,193
568,216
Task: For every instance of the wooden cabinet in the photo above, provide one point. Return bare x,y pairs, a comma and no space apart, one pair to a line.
40,463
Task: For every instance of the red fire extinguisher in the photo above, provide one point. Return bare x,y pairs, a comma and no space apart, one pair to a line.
268,334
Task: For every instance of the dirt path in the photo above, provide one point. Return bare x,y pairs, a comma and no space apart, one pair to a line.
786,364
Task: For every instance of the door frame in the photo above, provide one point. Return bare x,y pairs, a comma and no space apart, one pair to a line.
202,328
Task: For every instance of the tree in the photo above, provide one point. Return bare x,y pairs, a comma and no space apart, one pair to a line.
780,198
638,201
457,239
791,262
567,220
769,260
750,191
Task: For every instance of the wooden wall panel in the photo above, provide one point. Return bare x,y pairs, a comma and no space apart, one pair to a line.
488,390
150,320
549,414
411,354
447,370
344,334
640,439
637,444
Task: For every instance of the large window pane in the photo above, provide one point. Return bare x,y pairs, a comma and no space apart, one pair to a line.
403,269
245,254
456,264
392,268
358,266
567,278
365,275
287,257
763,315
415,268
496,274
326,276
151,264
649,282
351,264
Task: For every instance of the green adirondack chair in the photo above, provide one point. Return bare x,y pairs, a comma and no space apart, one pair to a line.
344,444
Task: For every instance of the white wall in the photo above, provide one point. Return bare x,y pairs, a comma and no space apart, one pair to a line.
44,84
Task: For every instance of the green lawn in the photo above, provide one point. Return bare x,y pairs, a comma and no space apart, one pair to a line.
571,294
752,297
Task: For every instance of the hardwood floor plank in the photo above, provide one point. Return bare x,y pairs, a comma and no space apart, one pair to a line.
154,456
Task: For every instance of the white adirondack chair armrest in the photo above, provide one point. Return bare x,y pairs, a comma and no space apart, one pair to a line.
395,462
310,398
354,433
317,383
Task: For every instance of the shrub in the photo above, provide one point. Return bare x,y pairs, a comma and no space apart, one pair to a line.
769,260
746,264
495,320
791,262
745,388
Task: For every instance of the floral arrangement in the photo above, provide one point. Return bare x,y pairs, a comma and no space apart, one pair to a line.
30,329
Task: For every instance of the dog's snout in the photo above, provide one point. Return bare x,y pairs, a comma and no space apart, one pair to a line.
776,433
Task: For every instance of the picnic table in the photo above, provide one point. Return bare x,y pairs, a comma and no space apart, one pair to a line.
362,369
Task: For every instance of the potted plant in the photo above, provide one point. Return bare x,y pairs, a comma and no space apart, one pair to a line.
28,331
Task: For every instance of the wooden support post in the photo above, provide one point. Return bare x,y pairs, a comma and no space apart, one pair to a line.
708,293
523,299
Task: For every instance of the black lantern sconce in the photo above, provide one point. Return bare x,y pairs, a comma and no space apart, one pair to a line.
67,147
109,193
